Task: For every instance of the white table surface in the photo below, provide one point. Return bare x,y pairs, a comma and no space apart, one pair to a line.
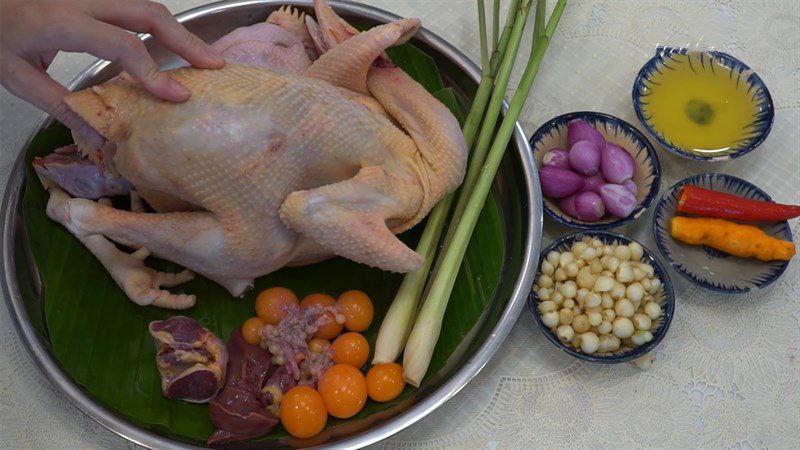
728,372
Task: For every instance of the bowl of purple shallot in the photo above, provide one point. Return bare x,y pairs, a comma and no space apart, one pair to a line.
596,171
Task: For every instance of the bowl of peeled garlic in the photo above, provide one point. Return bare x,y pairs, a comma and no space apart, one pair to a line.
601,297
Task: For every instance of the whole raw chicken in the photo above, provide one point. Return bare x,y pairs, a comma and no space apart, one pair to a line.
274,161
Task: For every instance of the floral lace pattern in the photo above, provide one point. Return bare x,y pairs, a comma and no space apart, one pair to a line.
728,372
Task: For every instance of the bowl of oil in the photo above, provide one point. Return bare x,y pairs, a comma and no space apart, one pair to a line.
703,105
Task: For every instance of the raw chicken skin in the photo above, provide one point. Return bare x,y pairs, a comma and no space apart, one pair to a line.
262,168
264,44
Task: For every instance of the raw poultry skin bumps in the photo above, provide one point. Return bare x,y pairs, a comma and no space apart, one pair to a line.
264,168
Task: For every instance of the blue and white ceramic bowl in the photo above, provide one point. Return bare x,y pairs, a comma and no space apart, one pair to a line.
553,134
666,298
667,58
708,267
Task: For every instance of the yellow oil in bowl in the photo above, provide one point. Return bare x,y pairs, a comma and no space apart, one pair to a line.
704,106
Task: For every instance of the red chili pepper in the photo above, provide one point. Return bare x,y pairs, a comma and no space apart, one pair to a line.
708,203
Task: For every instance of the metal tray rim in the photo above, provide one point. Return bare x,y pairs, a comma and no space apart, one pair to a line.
47,364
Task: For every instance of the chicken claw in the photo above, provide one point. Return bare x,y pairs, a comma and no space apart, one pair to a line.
294,22
140,283
172,279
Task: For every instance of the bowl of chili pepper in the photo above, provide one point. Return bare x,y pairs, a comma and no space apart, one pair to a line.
724,233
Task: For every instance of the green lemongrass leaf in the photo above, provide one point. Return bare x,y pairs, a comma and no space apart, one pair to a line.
473,120
555,17
427,327
484,92
100,338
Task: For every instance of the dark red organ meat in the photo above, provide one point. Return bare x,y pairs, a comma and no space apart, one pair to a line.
190,359
240,411
248,405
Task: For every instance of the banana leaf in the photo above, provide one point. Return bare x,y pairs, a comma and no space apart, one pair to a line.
100,337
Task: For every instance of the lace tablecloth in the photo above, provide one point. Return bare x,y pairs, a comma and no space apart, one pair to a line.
728,372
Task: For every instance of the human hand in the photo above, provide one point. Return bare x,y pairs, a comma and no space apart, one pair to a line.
32,32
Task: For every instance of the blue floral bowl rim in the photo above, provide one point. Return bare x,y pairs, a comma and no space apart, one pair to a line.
651,154
638,87
661,242
668,302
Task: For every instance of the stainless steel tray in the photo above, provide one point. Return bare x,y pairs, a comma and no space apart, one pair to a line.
516,187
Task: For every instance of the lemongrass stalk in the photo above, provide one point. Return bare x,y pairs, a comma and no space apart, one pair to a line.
397,323
473,120
425,334
502,45
475,115
495,23
552,24
399,318
538,23
482,37
490,120
476,158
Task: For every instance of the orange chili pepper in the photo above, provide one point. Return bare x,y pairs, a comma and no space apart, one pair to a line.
745,241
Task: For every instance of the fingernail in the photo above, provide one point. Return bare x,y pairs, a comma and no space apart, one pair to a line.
178,89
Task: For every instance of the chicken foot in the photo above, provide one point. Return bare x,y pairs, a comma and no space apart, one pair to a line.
139,282
293,21
194,239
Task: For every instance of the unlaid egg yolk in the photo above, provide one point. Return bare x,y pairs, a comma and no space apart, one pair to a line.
303,412
251,330
274,303
385,382
344,390
357,310
350,348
